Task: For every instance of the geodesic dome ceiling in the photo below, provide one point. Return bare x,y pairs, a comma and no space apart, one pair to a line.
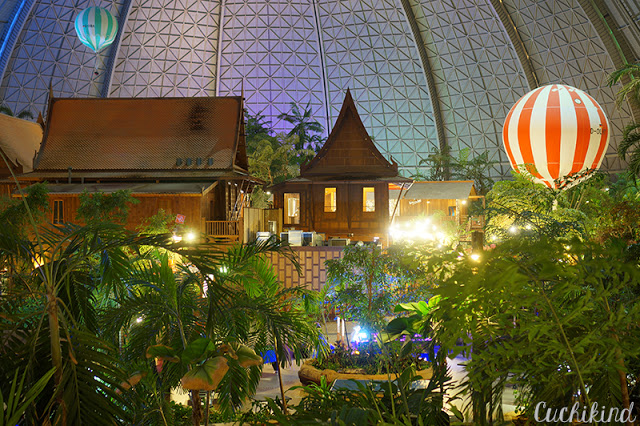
424,74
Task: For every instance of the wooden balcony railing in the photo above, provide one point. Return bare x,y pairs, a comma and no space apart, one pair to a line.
223,229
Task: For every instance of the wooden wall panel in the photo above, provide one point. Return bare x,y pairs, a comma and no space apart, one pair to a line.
189,206
349,219
257,220
312,262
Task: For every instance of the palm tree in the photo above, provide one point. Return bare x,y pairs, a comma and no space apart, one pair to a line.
439,163
244,304
630,143
51,321
303,126
24,114
629,74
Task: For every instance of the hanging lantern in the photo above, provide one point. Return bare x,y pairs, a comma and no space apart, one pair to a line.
557,133
96,28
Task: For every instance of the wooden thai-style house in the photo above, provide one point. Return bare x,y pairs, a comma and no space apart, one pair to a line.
186,156
343,191
445,202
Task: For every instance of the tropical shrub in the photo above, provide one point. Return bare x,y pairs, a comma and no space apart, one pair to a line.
559,320
367,282
370,359
396,402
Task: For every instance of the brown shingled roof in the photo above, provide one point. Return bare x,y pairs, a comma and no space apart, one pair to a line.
349,151
144,134
20,140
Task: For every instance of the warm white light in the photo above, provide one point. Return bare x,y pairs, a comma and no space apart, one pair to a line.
190,236
475,257
224,269
464,202
37,261
528,226
268,192
513,229
176,238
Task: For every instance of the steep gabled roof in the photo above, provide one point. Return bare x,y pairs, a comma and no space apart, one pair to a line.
349,151
138,134
19,140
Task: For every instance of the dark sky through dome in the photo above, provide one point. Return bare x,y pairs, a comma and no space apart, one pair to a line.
424,74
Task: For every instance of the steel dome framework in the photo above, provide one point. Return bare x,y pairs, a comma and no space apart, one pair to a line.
424,74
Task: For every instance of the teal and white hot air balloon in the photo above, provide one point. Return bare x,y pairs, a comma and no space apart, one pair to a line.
96,28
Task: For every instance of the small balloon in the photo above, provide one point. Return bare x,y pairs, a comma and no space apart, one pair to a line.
557,133
96,28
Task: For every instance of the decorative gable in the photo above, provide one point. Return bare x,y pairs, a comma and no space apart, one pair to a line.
349,151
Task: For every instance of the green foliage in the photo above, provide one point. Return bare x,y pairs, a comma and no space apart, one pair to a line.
277,159
244,305
160,223
307,129
442,165
370,359
256,129
629,74
361,289
13,212
24,114
595,209
259,198
50,320
554,319
366,283
630,144
392,402
15,403
524,209
99,207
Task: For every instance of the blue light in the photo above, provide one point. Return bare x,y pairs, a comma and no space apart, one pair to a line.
10,30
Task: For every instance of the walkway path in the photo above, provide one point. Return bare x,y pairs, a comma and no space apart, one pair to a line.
269,386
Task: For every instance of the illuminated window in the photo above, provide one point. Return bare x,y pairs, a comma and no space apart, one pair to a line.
368,199
329,200
58,211
292,209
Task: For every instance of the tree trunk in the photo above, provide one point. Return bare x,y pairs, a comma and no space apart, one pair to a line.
206,409
56,349
284,401
196,407
622,376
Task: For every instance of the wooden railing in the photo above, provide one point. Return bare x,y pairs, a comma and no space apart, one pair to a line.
223,229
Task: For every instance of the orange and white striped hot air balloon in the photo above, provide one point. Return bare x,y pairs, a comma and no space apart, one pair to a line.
554,132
